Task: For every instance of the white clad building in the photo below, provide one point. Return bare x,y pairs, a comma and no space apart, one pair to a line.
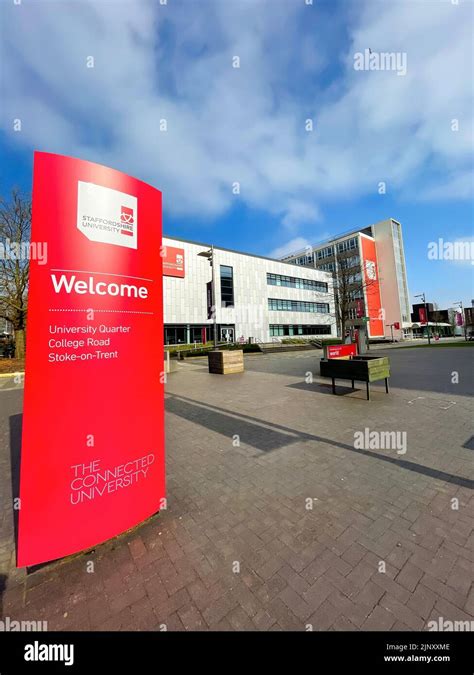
256,297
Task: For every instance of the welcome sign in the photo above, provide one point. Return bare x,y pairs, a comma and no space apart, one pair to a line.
92,458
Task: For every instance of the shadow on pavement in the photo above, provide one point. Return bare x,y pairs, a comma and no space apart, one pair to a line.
15,456
256,435
224,422
341,389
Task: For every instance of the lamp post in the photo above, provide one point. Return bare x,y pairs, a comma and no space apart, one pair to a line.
422,296
459,304
210,256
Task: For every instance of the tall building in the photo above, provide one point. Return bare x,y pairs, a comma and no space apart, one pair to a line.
255,297
372,261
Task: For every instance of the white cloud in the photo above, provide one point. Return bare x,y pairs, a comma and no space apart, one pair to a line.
293,246
245,124
300,213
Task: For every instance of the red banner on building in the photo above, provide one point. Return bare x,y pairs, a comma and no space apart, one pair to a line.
92,459
173,261
422,314
372,288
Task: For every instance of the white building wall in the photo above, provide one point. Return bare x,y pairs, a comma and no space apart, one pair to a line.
185,300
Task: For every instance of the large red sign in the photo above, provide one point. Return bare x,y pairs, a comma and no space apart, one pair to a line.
92,459
173,261
422,314
372,288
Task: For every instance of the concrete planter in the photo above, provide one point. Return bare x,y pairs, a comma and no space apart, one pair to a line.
226,361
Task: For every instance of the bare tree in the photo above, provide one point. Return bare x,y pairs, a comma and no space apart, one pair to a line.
15,231
350,284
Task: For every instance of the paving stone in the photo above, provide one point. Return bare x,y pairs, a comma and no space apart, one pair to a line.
297,567
409,576
379,620
401,612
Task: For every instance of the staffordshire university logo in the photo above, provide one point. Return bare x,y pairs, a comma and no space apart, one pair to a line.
107,216
127,220
371,270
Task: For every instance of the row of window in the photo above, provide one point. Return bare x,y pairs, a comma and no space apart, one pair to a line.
327,267
350,261
298,306
354,278
326,252
227,291
344,263
277,330
347,245
303,260
294,282
352,313
350,244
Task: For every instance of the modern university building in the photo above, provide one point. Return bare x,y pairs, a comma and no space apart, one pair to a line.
376,259
255,297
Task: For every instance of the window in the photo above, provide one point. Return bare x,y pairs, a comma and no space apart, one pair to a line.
326,252
280,330
354,278
327,267
347,245
227,286
350,261
297,306
294,282
175,335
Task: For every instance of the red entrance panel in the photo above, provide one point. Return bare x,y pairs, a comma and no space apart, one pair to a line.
372,288
92,460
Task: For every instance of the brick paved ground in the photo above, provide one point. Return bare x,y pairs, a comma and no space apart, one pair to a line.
237,548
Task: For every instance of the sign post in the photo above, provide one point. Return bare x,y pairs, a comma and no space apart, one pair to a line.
92,461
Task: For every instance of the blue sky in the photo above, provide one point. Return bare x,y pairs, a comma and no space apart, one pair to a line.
247,125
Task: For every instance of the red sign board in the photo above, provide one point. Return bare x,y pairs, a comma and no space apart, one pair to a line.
422,314
359,309
340,351
173,261
396,325
372,287
92,459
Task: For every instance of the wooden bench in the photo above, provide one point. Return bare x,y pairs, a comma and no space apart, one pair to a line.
363,368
